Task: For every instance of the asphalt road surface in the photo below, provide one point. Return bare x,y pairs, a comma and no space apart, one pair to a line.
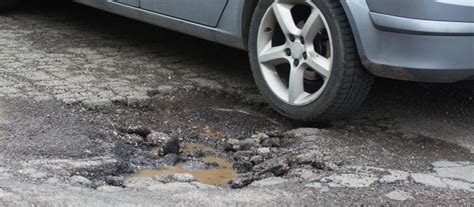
87,99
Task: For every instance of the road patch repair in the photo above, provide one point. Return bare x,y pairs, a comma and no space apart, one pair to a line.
92,114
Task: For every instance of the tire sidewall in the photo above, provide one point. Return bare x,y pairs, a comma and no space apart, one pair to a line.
327,97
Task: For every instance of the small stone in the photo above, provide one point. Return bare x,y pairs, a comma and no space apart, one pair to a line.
241,182
243,167
137,129
260,137
308,157
272,142
114,180
119,100
233,141
318,164
247,144
156,138
134,139
399,195
166,143
331,166
232,145
278,166
256,159
170,159
244,155
263,151
80,180
228,148
184,178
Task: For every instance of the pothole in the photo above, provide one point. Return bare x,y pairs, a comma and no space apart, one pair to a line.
152,159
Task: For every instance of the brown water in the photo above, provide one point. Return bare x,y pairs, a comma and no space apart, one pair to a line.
219,176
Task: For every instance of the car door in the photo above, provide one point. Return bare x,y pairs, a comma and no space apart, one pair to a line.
205,12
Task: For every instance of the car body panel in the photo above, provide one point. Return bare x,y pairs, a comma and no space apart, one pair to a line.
410,40
205,12
135,3
437,10
421,26
426,52
228,30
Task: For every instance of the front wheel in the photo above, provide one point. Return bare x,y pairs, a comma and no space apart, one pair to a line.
8,4
304,59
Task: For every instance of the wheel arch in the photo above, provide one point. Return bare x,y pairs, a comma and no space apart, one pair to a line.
353,24
247,14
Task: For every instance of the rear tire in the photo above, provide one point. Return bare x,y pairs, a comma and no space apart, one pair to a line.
8,4
333,93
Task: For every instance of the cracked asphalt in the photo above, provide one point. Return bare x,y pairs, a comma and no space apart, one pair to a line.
71,78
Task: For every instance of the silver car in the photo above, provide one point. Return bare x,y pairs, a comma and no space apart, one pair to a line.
314,60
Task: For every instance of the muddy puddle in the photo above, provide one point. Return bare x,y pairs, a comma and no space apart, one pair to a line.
218,176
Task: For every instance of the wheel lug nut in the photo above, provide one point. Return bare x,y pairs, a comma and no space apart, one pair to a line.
288,52
305,55
292,38
297,62
302,41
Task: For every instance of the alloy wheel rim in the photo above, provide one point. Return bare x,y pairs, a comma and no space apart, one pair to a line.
295,52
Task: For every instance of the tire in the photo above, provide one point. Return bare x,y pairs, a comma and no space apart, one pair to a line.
8,4
343,86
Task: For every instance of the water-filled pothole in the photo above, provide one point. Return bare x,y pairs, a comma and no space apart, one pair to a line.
218,176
